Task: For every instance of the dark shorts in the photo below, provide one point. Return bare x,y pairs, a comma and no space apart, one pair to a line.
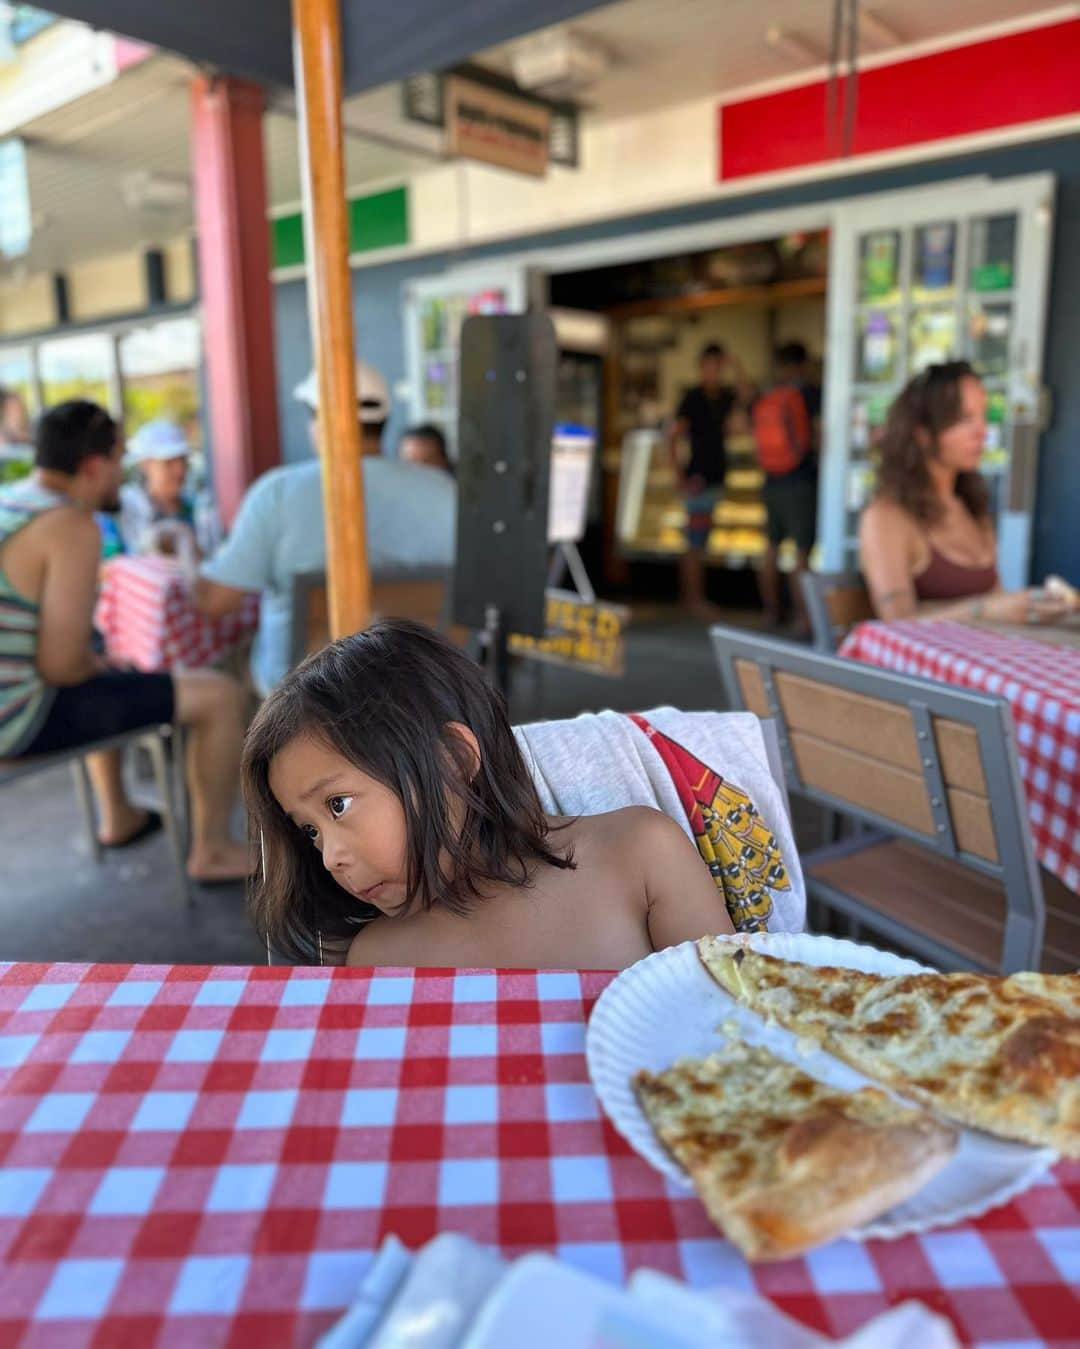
791,504
107,705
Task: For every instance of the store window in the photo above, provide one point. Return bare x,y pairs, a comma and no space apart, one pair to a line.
16,408
17,375
76,367
159,371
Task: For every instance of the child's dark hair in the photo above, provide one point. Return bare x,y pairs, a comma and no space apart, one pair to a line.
384,699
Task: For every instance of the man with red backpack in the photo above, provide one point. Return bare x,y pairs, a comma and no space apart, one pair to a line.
786,420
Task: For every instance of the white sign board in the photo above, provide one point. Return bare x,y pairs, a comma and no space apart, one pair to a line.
572,450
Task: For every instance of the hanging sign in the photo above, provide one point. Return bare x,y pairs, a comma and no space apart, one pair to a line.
496,127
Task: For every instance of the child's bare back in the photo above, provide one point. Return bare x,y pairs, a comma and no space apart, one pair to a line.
400,826
639,884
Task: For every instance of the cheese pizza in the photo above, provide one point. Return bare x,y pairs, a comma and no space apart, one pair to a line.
781,1161
988,1051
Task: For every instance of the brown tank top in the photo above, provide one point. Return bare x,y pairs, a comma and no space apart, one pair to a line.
942,579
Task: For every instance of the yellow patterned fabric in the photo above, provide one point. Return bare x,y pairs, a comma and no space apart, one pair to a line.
737,845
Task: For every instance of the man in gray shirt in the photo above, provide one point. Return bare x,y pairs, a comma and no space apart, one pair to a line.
279,532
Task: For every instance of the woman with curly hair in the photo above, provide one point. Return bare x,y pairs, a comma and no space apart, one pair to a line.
926,540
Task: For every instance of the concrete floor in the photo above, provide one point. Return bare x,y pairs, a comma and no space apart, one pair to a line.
56,903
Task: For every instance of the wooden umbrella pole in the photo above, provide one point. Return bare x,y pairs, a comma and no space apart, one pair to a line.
317,62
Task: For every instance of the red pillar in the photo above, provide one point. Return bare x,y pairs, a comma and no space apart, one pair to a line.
234,278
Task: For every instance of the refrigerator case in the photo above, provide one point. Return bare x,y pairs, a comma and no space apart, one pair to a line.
435,308
651,516
583,339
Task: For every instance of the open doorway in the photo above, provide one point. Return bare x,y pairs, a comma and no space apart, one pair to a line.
661,313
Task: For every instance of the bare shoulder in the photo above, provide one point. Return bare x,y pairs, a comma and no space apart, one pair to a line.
640,830
882,516
75,526
379,943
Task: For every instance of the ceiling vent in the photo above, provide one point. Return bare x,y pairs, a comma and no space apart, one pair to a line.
560,62
147,191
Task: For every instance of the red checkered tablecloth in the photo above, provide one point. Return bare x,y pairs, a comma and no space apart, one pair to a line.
1040,682
209,1156
146,617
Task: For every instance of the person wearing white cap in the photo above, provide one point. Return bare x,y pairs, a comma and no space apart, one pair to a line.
156,513
410,512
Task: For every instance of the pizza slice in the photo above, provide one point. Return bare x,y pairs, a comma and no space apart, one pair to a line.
781,1161
992,1052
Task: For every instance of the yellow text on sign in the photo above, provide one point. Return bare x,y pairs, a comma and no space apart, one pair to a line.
586,636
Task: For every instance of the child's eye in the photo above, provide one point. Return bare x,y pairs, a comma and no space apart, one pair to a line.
310,832
338,805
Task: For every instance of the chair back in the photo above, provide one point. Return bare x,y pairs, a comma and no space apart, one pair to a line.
835,602
926,762
422,595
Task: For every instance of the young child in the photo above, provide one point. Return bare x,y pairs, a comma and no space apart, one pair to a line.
399,826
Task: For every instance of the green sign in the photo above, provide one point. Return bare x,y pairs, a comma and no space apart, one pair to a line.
380,220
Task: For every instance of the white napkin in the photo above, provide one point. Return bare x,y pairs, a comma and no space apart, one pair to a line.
421,1301
730,1319
454,1294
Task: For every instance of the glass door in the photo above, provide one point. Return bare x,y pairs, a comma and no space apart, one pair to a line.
936,274
435,309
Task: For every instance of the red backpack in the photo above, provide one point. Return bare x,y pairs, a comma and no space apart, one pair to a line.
781,429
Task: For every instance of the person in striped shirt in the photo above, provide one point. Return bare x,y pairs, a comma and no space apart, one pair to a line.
56,691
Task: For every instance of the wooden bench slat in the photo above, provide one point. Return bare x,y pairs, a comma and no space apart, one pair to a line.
945,900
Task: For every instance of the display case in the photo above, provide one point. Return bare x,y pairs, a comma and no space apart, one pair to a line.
651,516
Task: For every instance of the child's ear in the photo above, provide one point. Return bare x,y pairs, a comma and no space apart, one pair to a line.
468,748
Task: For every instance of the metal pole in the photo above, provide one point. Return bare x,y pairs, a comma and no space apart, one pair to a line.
317,62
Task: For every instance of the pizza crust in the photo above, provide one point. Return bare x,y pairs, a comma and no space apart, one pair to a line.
781,1161
1060,589
993,1053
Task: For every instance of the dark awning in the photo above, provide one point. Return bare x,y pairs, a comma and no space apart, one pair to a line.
384,40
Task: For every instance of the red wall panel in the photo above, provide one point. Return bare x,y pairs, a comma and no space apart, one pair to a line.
1004,81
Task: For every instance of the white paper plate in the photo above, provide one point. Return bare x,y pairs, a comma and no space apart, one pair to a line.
668,1007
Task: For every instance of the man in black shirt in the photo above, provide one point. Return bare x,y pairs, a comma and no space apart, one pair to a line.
702,418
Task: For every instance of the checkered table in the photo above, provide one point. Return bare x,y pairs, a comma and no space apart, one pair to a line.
209,1156
146,617
1040,682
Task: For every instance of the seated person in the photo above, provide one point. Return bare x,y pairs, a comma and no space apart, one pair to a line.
401,827
157,514
410,512
424,444
56,692
14,421
926,540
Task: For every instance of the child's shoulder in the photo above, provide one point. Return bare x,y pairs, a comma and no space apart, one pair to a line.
640,826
